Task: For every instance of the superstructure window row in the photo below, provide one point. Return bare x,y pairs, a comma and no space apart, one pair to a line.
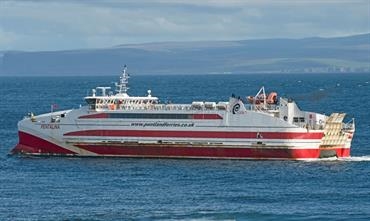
150,116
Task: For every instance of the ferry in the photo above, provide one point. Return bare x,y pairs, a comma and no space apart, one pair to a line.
115,124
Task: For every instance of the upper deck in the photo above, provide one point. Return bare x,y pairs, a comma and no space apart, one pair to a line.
104,100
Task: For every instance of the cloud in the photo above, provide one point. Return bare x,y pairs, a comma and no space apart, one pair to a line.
54,25
7,38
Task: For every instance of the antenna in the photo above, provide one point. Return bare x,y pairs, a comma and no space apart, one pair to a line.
121,87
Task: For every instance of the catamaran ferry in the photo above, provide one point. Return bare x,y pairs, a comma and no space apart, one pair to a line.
263,126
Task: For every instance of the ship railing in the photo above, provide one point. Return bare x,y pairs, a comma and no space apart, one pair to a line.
160,107
170,107
270,109
178,107
318,127
263,108
350,125
309,126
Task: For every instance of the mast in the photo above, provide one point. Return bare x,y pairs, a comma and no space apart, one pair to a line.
122,86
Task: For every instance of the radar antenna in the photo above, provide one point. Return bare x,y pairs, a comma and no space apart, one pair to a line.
122,86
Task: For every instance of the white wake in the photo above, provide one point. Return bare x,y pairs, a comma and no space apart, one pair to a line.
345,159
355,158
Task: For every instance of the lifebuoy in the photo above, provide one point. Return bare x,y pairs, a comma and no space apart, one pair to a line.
112,107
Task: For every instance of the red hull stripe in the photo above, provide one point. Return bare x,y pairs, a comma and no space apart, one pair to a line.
195,134
94,116
207,152
31,144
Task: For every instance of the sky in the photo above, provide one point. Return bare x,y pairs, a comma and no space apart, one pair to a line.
48,25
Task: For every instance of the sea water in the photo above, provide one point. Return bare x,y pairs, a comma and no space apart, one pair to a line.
62,188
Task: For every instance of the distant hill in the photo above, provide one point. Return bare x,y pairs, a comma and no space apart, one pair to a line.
308,55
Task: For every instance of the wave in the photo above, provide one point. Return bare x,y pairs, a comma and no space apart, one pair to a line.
345,159
355,158
321,159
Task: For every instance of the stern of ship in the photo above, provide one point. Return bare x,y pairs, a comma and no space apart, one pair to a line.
337,138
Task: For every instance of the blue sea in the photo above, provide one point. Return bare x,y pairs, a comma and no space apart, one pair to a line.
62,188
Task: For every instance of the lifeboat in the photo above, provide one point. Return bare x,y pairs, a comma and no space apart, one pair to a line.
272,98
261,98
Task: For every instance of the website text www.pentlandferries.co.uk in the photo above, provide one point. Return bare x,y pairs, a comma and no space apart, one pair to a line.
162,124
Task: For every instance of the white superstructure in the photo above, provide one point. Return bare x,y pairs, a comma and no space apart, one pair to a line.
116,124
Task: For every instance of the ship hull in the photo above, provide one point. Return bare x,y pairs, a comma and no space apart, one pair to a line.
118,125
33,145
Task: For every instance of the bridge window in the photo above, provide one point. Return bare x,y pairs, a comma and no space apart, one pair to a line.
298,119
